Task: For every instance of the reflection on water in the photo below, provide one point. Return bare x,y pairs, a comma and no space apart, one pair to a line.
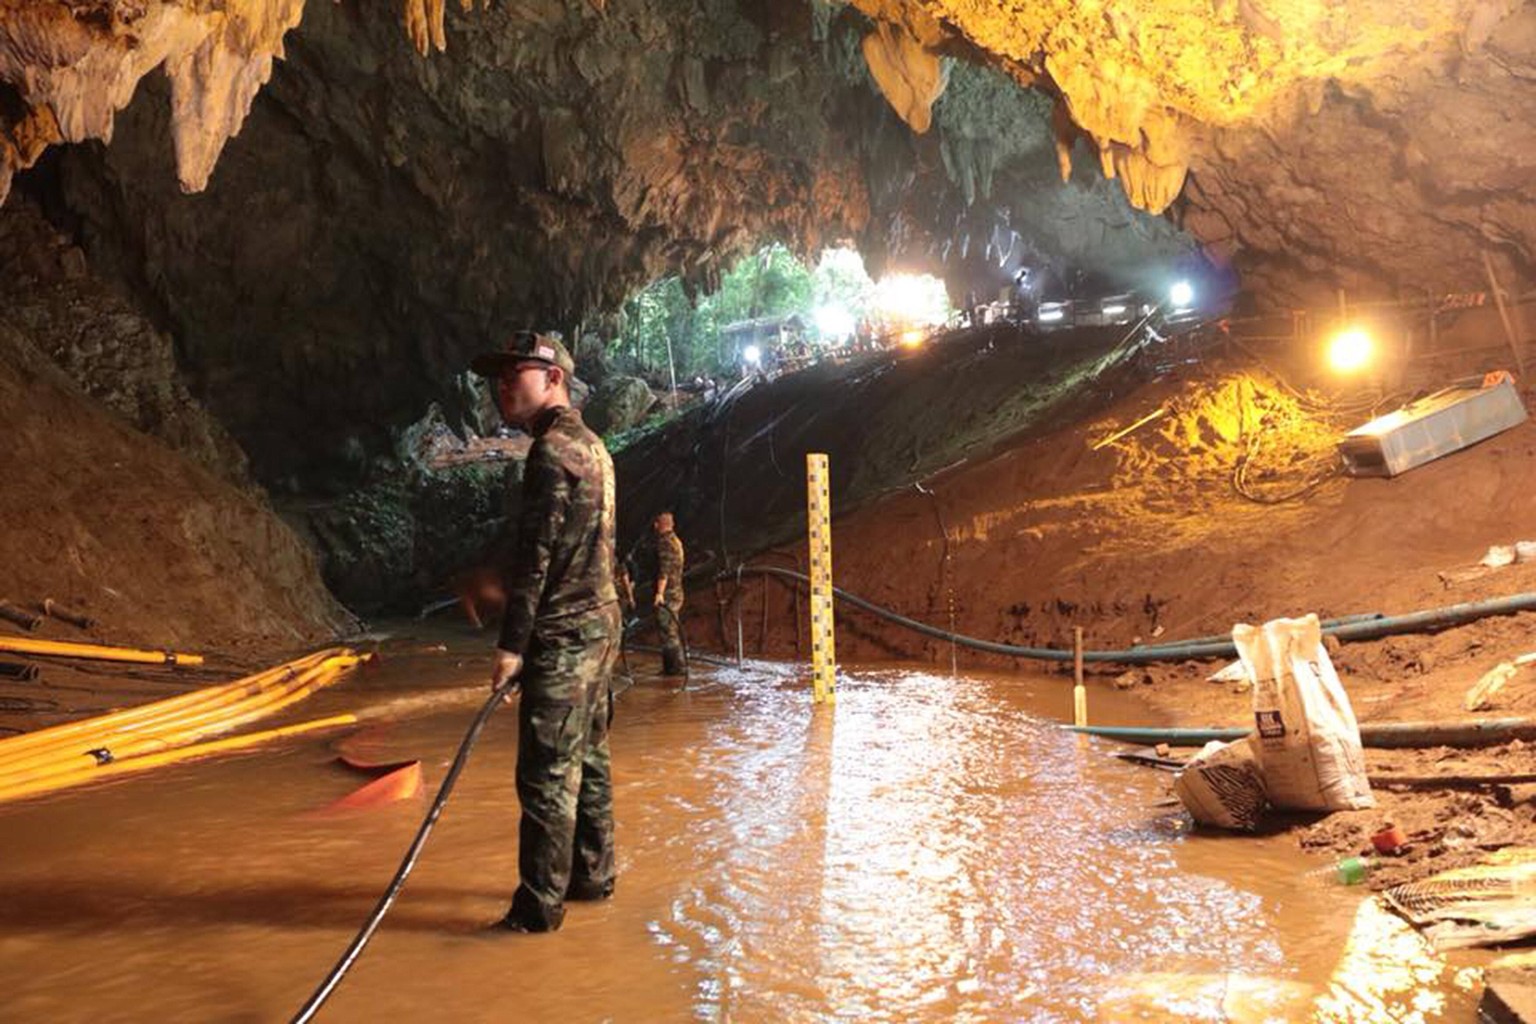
927,849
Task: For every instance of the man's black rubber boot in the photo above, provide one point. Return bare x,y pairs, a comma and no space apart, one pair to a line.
527,915
589,891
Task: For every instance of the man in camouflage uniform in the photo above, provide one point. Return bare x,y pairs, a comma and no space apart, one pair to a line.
669,594
559,637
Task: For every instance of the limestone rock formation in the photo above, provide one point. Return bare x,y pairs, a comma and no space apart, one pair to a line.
909,75
382,216
385,213
108,347
1364,143
74,64
618,404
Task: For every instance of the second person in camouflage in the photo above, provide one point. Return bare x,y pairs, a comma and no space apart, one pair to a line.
669,595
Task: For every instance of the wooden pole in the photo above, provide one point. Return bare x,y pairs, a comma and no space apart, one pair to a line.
1079,691
1509,327
671,369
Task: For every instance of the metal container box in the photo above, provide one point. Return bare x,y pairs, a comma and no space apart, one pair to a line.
1442,423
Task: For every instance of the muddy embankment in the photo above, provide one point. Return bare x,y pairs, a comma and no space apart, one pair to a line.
1174,530
123,499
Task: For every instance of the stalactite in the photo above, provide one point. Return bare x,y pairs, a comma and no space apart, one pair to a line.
76,73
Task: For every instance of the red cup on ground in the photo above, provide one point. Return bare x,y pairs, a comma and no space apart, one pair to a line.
1389,840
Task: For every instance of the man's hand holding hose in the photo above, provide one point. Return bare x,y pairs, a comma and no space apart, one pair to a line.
505,668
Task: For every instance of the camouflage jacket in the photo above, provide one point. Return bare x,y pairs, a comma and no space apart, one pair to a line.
563,559
669,566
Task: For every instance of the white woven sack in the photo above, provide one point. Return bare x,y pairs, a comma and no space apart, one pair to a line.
1305,734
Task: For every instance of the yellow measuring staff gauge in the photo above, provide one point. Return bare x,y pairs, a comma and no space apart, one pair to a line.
819,530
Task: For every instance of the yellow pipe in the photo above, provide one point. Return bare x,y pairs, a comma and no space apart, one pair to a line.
34,787
96,652
147,713
303,682
186,727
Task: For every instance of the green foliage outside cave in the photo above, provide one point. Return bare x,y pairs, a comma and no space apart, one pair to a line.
772,282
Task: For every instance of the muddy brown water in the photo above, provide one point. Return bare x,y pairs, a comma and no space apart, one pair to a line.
932,849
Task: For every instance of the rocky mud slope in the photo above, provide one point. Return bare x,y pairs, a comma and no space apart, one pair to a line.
165,547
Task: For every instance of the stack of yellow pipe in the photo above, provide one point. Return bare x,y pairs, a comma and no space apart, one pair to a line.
168,730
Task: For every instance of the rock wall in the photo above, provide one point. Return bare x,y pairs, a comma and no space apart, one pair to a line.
399,198
106,345
1366,144
115,523
72,65
384,215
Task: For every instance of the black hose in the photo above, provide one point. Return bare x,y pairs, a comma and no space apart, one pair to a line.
333,979
1369,627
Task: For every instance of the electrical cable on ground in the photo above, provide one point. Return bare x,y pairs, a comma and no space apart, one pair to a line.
360,940
1244,489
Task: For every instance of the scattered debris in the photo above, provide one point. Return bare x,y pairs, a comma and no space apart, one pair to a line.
1154,757
1133,678
1161,410
1223,785
1233,673
1489,903
23,618
1497,557
1480,697
55,610
1389,840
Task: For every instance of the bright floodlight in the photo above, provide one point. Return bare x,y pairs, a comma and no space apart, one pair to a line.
834,322
752,354
1182,295
1051,313
1350,350
913,338
912,299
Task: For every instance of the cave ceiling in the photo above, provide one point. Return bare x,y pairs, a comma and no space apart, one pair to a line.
331,205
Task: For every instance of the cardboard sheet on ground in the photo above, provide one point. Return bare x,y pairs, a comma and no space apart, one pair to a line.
1486,904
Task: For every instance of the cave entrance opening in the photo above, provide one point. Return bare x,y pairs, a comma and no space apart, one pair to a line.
773,312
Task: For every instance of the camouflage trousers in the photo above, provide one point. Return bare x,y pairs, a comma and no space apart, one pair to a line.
669,619
564,779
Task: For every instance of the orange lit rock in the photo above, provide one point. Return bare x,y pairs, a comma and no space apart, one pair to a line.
79,63
909,75
1138,76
